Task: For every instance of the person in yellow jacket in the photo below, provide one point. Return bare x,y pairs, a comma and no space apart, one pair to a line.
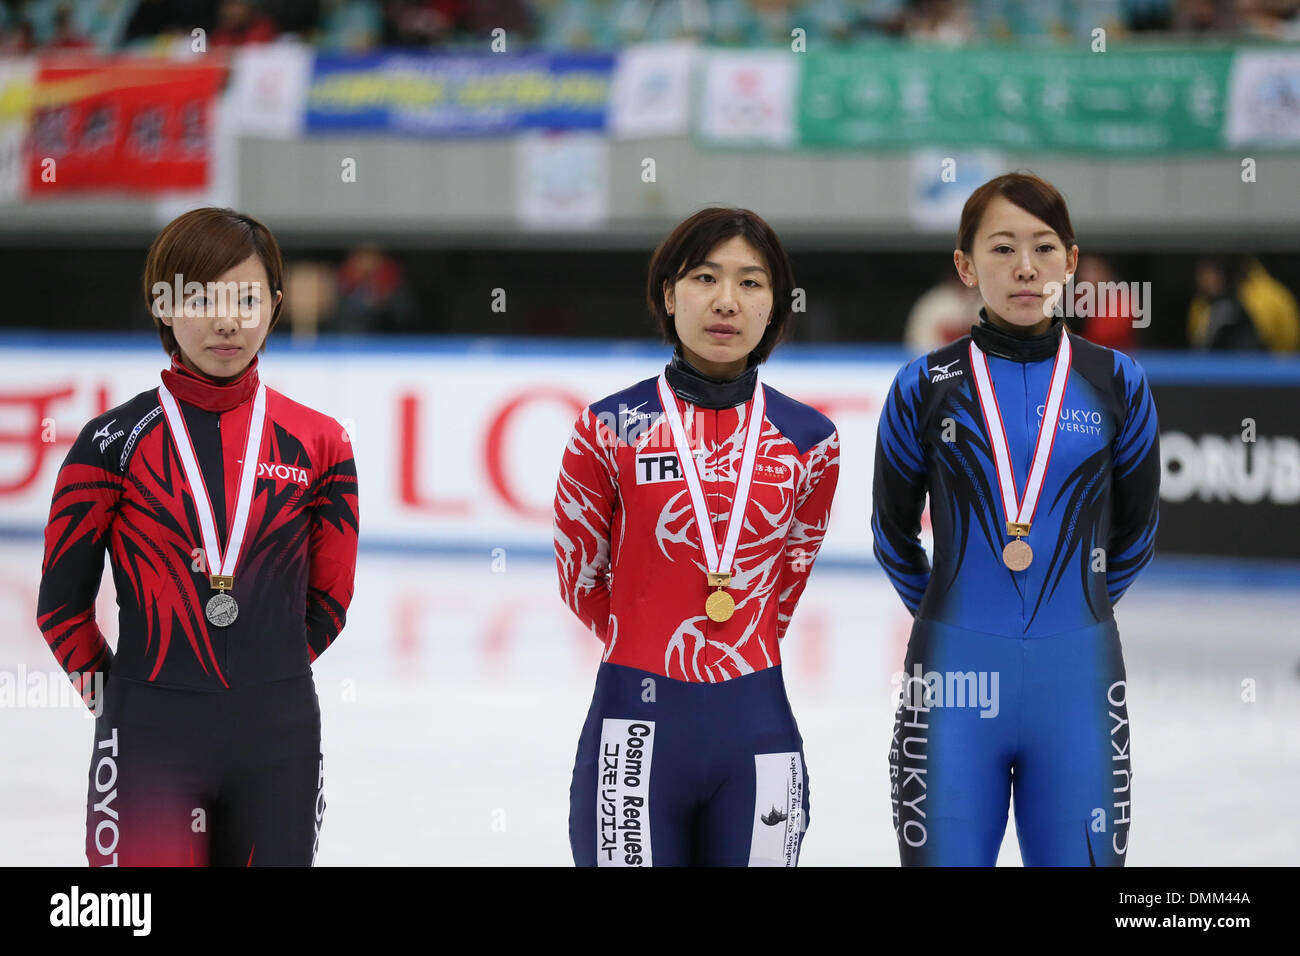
1256,311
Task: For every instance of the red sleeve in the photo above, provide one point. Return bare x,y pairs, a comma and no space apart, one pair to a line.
333,547
585,497
811,515
86,495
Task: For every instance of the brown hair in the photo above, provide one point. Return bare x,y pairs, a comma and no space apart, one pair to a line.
1035,196
690,243
203,244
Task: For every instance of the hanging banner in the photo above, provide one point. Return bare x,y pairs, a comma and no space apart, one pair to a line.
562,180
1264,99
437,95
942,181
651,93
16,79
268,89
1122,102
130,125
748,98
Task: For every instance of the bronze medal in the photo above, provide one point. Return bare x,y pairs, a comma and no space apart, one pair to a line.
1017,555
1019,511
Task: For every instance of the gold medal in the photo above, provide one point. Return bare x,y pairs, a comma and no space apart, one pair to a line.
720,606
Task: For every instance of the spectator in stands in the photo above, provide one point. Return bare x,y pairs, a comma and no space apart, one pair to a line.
943,314
154,18
1110,320
373,295
16,36
768,22
1204,16
577,24
481,17
1270,19
1149,15
241,22
309,296
299,17
646,20
421,24
940,21
1240,306
350,26
66,36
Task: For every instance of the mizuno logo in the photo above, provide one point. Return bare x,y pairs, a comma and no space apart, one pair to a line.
940,372
631,415
106,437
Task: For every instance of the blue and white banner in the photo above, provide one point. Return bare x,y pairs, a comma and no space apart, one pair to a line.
448,95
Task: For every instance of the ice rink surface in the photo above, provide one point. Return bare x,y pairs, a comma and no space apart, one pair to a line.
453,701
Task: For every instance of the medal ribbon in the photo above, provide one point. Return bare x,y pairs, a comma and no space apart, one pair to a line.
1022,512
224,565
717,563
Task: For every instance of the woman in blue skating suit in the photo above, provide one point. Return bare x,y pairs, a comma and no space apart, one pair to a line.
1014,680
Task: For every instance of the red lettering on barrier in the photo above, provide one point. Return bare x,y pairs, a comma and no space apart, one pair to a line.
408,417
494,449
39,405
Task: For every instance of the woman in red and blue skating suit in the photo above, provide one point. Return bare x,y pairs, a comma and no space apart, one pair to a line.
690,754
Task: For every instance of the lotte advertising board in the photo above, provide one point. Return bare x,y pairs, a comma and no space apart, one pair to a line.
458,442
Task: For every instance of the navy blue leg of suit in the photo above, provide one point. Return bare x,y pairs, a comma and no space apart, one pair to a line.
670,773
1043,719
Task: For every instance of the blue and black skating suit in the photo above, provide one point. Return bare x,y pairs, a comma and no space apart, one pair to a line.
1014,679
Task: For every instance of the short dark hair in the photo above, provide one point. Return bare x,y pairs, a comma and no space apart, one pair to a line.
1035,196
202,245
690,243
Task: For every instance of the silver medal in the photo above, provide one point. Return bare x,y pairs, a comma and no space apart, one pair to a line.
222,609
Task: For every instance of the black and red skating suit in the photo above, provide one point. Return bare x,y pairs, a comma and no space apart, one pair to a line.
122,488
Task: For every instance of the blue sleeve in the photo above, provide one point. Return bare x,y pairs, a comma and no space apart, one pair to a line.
899,487
1136,489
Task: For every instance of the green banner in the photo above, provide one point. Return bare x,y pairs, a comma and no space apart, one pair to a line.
1127,100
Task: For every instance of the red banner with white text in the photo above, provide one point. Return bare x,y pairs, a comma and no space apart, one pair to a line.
134,126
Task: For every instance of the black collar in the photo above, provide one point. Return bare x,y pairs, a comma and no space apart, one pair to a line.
1019,348
692,385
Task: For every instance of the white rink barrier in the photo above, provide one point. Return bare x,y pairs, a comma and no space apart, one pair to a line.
457,442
